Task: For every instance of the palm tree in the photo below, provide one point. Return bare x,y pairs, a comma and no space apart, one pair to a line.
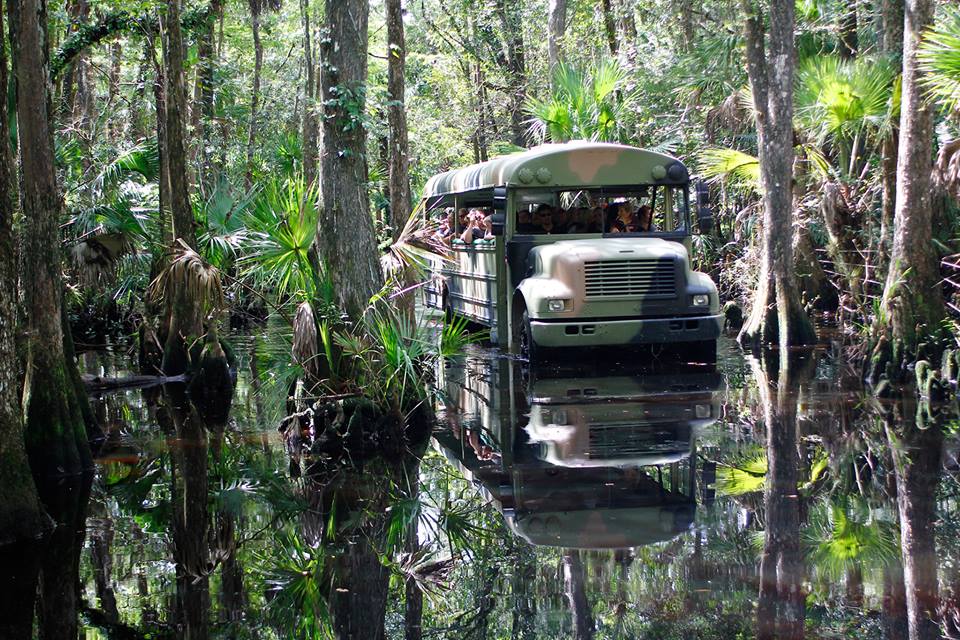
585,104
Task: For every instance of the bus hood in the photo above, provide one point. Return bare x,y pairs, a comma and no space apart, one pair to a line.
599,249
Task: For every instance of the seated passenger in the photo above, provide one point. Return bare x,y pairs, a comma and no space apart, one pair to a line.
543,219
561,220
645,219
446,229
614,223
524,221
579,221
595,220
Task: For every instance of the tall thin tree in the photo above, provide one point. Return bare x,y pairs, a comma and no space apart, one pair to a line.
21,516
55,431
183,313
776,315
345,239
309,124
397,118
556,26
256,10
912,301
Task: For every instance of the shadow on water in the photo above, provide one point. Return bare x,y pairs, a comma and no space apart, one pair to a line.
765,498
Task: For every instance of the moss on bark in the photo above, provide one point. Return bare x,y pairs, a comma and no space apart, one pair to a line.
55,434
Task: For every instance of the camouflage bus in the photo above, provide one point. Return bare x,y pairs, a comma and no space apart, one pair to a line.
574,245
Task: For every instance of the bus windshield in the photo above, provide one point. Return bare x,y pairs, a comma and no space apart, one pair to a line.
644,209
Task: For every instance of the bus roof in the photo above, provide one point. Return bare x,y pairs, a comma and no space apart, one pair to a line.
572,164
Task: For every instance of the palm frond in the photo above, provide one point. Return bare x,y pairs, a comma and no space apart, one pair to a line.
939,58
188,271
731,165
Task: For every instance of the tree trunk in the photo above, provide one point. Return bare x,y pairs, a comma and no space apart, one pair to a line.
776,314
310,126
480,142
184,314
575,589
59,588
345,236
522,589
780,610
513,62
891,45
55,436
135,127
114,127
686,24
849,42
191,521
204,91
891,27
912,299
397,118
256,8
556,25
917,448
609,26
21,516
413,596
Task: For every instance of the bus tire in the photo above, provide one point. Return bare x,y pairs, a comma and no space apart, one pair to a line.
527,345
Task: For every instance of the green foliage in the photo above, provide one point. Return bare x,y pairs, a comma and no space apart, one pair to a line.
585,104
736,167
841,99
222,221
939,58
281,226
844,534
745,475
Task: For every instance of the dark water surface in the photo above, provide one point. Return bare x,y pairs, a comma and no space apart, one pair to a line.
600,500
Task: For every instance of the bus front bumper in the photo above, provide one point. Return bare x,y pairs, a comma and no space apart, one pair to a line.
636,331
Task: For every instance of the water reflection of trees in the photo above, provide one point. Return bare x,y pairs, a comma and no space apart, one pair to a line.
844,519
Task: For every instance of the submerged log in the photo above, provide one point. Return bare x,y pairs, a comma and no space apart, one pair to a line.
99,383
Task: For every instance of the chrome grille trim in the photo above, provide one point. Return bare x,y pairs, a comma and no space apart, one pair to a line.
626,440
646,277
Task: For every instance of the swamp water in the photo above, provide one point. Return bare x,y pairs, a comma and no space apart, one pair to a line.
596,501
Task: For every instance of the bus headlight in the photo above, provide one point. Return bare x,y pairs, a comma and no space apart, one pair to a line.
701,300
557,304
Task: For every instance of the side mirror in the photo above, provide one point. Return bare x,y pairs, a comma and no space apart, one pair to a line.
704,213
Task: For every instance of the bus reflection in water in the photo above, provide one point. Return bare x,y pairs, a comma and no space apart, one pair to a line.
580,462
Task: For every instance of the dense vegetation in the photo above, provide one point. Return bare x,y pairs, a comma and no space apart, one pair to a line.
172,170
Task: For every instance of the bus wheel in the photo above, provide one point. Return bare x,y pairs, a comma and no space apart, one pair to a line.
527,345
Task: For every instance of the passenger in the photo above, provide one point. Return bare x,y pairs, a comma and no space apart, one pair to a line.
543,219
561,220
614,223
645,219
474,229
487,226
595,220
524,221
462,218
446,229
579,221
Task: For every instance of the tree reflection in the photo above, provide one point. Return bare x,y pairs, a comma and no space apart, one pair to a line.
189,499
781,606
916,443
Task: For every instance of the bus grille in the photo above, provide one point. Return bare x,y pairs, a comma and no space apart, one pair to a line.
650,277
630,441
